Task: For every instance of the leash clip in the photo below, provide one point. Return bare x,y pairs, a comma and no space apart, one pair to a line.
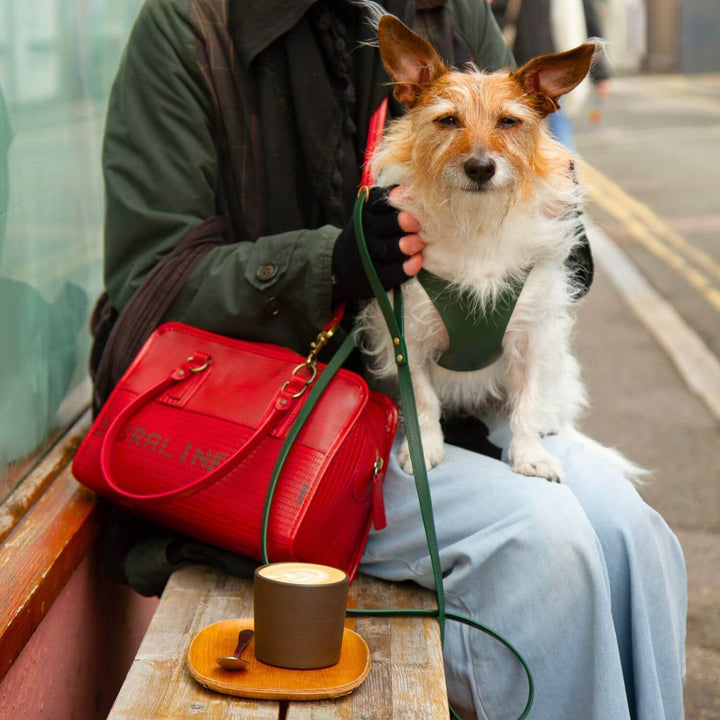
323,338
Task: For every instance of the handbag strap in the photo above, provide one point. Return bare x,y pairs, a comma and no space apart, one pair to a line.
375,131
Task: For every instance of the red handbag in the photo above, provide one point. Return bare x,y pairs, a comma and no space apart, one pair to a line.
247,446
191,434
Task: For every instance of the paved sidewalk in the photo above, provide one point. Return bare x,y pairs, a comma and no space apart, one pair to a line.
641,405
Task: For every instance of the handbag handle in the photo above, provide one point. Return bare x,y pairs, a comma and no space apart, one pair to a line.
278,406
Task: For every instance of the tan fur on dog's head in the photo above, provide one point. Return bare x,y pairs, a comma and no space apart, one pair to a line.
473,132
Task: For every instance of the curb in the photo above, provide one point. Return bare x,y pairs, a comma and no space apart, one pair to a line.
695,362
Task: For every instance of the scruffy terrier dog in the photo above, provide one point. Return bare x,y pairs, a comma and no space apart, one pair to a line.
497,204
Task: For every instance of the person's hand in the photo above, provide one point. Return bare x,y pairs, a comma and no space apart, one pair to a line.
393,243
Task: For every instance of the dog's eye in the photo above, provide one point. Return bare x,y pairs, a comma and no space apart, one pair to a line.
508,122
448,121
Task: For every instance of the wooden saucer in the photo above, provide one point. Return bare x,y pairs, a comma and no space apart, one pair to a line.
265,682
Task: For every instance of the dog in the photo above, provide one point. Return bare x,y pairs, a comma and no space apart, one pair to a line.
498,206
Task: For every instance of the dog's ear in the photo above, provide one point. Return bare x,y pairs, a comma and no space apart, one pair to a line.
549,76
410,60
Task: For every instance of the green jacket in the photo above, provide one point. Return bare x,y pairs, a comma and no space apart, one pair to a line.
210,114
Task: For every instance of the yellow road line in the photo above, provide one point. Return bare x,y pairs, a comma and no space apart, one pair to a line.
652,220
652,233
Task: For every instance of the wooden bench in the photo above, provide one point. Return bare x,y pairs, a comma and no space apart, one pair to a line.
406,679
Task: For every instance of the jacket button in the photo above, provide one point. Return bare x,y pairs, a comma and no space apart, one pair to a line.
273,306
266,272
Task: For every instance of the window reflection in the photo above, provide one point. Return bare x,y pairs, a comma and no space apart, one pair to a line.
57,61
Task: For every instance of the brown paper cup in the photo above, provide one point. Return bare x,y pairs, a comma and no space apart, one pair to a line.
299,614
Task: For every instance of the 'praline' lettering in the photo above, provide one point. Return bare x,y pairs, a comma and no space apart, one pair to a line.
164,446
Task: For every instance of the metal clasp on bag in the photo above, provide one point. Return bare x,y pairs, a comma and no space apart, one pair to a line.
200,368
185,369
378,502
313,373
378,466
310,364
323,338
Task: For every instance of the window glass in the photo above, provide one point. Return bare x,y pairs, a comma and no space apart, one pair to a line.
57,62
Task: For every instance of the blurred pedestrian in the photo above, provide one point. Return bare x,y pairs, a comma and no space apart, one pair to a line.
539,27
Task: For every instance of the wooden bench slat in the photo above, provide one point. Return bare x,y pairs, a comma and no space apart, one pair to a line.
159,684
406,674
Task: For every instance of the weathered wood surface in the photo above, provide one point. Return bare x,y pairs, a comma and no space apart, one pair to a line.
406,680
159,684
38,479
38,557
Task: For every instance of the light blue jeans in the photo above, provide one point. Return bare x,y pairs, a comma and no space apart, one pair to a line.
584,579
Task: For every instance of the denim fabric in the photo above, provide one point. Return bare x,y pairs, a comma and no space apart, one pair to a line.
584,579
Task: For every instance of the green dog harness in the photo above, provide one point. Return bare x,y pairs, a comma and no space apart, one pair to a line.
475,336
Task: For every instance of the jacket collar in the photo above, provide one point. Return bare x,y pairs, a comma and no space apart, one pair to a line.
264,21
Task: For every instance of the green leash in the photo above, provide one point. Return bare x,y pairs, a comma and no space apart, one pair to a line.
393,315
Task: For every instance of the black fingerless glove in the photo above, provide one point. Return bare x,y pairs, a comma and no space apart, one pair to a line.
382,235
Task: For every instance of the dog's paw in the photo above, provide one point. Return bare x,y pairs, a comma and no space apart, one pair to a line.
537,462
433,455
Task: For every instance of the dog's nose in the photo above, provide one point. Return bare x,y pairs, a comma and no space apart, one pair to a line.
480,169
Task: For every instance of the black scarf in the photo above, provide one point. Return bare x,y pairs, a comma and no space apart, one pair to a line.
310,163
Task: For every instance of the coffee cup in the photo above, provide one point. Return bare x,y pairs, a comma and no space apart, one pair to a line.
299,614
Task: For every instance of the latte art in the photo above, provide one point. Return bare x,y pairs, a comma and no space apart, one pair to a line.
302,573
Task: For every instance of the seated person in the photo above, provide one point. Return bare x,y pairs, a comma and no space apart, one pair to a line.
234,141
